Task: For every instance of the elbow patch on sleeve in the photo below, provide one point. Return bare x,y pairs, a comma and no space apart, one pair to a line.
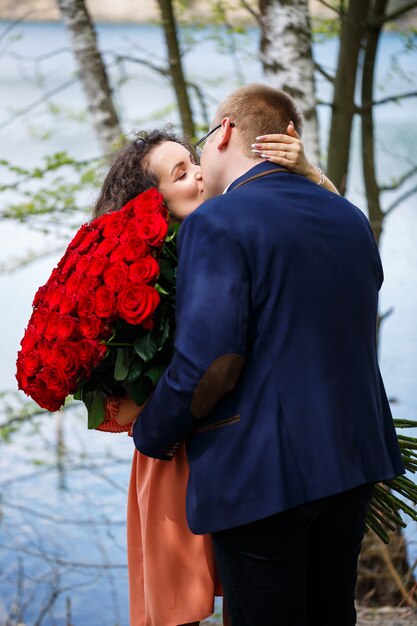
219,379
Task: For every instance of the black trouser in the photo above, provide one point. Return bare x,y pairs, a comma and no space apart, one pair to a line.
298,567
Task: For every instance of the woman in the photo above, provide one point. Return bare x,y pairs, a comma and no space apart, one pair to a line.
172,574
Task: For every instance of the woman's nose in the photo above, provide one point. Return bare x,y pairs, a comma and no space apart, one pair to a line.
198,174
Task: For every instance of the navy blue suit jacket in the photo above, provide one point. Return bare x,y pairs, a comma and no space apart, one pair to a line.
284,276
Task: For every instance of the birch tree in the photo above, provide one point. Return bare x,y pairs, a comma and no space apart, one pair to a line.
287,59
92,72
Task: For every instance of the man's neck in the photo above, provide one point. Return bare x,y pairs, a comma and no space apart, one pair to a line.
238,168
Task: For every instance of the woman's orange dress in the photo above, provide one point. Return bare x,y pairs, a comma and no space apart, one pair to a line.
172,573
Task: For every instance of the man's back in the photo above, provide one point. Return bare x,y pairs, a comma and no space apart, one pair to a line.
311,413
274,383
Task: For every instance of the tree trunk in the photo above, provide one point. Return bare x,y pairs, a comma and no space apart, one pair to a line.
287,59
384,576
352,33
175,67
375,213
92,72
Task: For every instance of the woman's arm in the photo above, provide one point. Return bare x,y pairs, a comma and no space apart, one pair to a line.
288,151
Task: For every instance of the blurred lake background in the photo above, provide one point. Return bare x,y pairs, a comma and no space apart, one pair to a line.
63,488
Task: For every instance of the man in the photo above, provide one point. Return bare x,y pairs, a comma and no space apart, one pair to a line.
275,384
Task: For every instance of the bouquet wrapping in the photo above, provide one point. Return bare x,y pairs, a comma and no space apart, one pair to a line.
102,325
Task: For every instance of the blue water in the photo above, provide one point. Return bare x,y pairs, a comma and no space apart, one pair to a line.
62,518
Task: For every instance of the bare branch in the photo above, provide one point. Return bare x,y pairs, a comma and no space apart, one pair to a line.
401,180
320,69
164,71
251,10
401,199
394,15
63,520
401,96
330,6
160,69
37,58
65,563
37,102
15,23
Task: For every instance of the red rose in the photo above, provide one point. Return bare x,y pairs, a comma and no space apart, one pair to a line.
115,276
106,246
92,327
68,328
39,392
68,303
83,264
21,374
90,353
136,302
86,303
130,231
97,266
56,297
105,302
30,338
65,358
70,263
39,320
153,230
58,385
52,325
89,238
149,203
144,270
72,283
79,236
30,363
87,284
135,248
114,223
39,298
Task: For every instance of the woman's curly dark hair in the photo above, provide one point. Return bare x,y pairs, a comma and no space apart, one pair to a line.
129,172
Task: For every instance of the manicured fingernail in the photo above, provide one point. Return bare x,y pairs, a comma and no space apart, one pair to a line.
264,156
261,138
256,145
257,151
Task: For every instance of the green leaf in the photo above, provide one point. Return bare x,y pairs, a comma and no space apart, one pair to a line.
140,390
161,290
121,367
164,327
146,346
135,369
166,269
94,402
155,373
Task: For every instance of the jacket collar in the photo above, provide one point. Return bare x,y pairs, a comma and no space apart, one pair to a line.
257,169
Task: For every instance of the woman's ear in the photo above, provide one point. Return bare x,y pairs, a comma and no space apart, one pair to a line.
226,132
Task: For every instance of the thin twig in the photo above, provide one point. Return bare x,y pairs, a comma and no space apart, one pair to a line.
330,6
401,199
401,180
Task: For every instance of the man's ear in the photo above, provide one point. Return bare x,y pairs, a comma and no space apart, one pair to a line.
226,132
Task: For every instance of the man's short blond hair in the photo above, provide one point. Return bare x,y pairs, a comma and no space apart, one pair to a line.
258,109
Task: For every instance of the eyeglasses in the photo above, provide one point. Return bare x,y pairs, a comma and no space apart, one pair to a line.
197,145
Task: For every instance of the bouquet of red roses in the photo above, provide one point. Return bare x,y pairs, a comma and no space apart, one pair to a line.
102,325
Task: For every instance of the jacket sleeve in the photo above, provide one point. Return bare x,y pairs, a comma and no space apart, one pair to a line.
212,308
